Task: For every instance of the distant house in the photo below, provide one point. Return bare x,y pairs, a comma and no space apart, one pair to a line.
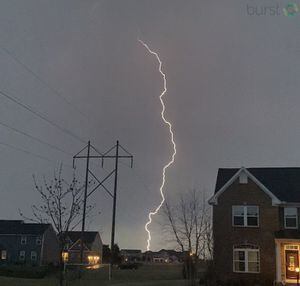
131,255
256,224
28,243
164,256
92,248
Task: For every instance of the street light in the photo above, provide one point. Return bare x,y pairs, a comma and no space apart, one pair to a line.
297,271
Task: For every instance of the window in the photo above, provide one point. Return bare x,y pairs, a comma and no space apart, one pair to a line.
245,216
290,218
38,240
23,240
65,256
3,255
246,260
22,255
94,259
291,247
33,255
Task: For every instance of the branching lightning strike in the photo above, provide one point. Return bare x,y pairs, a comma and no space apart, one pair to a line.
168,123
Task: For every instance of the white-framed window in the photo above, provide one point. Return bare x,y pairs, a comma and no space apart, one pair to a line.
33,255
246,260
23,240
38,240
3,255
291,247
290,218
246,216
22,255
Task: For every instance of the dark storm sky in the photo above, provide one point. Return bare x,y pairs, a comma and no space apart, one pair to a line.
233,96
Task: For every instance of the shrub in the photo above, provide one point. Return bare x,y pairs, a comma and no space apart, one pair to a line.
21,271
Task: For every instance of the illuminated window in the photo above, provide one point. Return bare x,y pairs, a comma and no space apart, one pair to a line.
65,256
246,216
33,255
290,218
246,260
23,240
93,259
22,255
3,255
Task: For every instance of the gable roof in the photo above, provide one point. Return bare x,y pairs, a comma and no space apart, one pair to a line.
88,236
283,183
77,246
19,227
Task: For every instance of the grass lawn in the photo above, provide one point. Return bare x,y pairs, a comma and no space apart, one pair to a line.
147,275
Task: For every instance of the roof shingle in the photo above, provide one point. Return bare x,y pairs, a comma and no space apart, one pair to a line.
19,227
284,183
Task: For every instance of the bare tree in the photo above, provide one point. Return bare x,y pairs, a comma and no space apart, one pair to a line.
60,204
188,222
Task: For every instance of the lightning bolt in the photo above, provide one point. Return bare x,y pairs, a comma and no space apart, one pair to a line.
169,125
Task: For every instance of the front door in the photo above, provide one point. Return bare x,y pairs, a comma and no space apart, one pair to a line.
292,262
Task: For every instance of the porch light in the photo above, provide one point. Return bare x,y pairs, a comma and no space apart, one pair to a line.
93,259
65,256
297,269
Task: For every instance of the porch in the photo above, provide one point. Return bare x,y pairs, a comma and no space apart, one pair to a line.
287,261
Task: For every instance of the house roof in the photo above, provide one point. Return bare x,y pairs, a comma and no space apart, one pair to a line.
284,183
131,251
19,227
170,251
88,236
166,251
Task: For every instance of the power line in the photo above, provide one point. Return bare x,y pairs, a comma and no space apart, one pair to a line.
56,92
36,113
31,153
34,138
41,141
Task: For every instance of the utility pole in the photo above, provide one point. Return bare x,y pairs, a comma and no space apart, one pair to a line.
88,147
114,212
117,156
84,199
106,155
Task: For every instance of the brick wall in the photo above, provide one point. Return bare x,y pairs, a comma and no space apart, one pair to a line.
225,235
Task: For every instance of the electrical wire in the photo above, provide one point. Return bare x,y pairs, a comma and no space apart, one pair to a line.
53,90
41,116
34,138
31,153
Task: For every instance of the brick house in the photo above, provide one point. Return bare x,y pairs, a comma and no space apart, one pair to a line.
92,248
28,243
256,224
